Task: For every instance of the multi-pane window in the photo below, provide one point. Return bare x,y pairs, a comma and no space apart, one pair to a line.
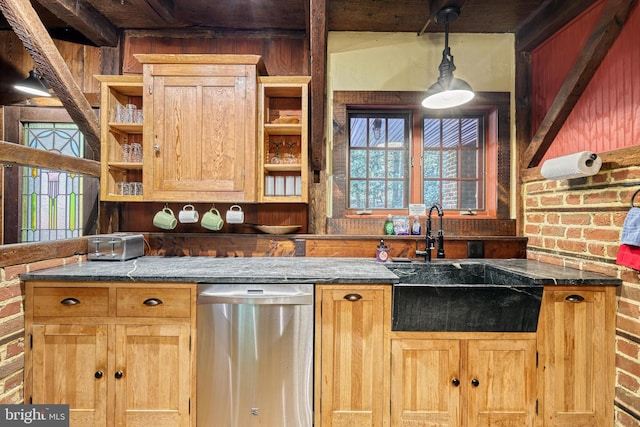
384,151
378,160
52,207
453,162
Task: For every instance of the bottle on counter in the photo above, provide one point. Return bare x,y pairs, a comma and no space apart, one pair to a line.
388,226
382,252
416,228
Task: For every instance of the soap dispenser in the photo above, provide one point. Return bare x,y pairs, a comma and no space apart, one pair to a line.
382,252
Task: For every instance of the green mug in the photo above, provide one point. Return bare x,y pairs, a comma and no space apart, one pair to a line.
212,220
165,219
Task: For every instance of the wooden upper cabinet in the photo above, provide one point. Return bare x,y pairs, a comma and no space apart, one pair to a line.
200,134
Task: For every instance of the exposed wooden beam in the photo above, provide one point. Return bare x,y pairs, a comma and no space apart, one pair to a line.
434,7
549,18
164,9
16,154
85,19
600,41
318,37
27,25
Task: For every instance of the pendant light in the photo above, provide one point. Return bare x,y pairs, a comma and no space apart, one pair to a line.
448,91
33,85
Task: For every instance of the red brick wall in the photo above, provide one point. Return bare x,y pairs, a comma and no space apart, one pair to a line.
578,224
12,326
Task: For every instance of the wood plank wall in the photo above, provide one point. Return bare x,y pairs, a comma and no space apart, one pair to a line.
282,55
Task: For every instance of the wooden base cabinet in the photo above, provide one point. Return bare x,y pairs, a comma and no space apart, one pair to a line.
463,382
352,355
118,354
577,356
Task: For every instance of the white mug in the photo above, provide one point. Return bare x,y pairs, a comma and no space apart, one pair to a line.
235,215
188,215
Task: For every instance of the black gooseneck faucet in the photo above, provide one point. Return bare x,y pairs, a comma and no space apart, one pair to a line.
432,240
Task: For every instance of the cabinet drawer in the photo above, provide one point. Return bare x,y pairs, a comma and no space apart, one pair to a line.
56,301
153,302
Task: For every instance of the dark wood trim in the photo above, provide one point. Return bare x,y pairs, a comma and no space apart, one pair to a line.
523,121
342,100
600,41
27,253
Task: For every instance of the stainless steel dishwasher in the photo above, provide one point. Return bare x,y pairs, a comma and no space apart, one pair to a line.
255,355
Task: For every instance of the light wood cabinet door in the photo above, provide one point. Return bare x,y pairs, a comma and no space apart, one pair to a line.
152,375
201,142
355,356
70,367
425,382
500,382
576,356
463,382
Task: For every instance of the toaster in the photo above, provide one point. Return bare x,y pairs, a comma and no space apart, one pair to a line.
115,247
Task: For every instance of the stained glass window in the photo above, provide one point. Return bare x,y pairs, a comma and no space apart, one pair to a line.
52,207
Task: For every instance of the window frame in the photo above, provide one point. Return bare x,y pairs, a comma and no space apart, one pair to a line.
496,107
14,118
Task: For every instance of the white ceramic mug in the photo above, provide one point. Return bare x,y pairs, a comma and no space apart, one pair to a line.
235,215
188,215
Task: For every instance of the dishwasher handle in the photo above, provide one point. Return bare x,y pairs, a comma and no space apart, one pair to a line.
255,297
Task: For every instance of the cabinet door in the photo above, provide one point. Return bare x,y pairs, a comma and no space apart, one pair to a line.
354,367
202,139
500,382
425,382
152,374
69,364
576,366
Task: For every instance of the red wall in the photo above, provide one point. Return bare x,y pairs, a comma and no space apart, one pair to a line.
607,116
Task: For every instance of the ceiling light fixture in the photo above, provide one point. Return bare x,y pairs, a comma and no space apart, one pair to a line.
448,91
33,85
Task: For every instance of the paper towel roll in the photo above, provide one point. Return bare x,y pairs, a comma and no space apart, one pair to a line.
584,163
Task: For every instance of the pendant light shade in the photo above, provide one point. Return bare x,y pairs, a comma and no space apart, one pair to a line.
448,91
33,85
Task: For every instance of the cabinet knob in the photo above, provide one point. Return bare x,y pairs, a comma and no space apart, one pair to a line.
156,148
353,297
70,301
475,382
574,298
152,302
98,375
118,375
455,382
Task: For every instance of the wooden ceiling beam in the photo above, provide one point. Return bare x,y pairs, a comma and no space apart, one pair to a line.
549,18
436,6
164,9
600,41
29,28
85,19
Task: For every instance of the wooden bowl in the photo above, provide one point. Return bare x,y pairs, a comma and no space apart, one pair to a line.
277,229
286,120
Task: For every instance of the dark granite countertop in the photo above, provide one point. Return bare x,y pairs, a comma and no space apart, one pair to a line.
299,270
223,270
524,272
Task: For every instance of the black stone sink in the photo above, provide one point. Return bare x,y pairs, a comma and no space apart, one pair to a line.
463,297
